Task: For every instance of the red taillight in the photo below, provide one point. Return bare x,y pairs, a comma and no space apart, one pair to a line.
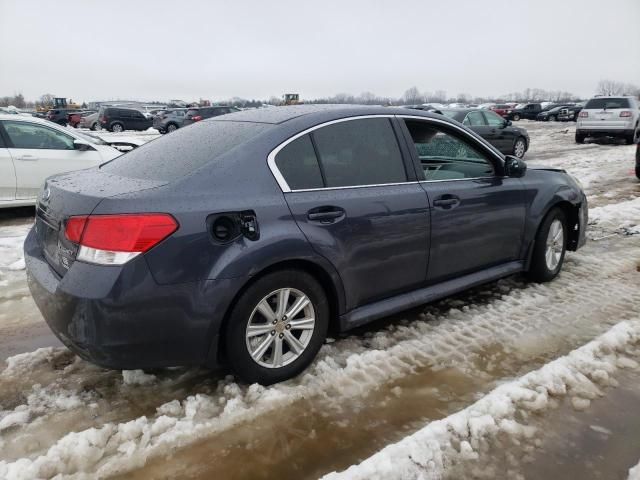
102,120
115,239
197,118
625,113
583,114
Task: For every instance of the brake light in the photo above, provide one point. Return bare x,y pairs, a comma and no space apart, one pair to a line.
625,113
102,119
583,114
116,239
197,118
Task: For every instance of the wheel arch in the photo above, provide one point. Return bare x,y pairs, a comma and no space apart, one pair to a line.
329,281
572,214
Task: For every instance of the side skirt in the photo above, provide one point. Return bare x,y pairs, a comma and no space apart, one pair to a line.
382,308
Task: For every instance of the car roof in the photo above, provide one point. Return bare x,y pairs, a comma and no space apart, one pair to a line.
284,114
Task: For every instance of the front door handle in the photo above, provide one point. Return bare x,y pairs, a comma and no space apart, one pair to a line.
446,201
327,214
27,158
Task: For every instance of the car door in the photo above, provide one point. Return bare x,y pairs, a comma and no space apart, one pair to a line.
350,191
7,173
504,135
477,215
39,151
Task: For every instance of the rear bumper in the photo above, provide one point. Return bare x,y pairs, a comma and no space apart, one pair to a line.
119,317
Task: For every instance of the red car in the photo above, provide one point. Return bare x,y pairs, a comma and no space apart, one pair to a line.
502,109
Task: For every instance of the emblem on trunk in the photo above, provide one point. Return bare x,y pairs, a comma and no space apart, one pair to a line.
46,194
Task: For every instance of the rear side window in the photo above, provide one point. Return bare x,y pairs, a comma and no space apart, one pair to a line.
360,152
602,103
474,119
298,164
192,112
167,159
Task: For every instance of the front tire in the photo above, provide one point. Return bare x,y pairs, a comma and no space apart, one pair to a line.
549,248
552,118
519,147
276,327
172,127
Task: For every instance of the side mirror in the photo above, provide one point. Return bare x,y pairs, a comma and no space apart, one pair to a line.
514,167
507,123
81,145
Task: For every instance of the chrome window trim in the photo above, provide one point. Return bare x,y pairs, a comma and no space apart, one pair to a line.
284,186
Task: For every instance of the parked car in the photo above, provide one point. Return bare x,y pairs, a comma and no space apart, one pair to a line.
502,109
527,110
167,121
58,116
498,131
119,119
551,114
75,118
615,116
568,114
32,149
201,113
290,221
90,120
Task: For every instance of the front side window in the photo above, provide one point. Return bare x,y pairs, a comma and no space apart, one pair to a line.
474,119
299,166
360,152
446,156
30,135
493,119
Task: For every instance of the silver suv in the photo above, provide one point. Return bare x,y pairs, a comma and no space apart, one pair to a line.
609,117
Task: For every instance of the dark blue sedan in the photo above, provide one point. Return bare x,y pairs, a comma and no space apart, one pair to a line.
244,238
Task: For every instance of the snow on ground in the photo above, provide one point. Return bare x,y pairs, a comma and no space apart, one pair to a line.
623,217
581,376
11,241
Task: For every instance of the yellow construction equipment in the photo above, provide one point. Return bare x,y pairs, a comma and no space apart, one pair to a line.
291,99
59,103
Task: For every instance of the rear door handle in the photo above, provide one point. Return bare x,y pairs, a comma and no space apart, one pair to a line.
27,158
446,201
325,214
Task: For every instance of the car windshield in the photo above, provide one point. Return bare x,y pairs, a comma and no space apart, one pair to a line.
184,151
450,113
607,103
521,105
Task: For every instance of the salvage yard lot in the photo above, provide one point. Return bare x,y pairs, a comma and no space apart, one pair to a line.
456,362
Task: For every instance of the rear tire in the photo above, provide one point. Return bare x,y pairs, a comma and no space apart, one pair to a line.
272,356
580,137
172,127
117,127
549,248
516,117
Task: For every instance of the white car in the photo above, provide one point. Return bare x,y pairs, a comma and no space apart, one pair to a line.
609,117
32,149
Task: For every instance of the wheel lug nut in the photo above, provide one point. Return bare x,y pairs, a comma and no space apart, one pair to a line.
281,335
284,317
288,327
274,322
273,332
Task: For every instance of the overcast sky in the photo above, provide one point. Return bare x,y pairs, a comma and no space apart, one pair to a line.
97,50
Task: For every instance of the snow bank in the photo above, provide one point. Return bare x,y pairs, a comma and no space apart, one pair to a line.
433,450
634,472
11,241
623,216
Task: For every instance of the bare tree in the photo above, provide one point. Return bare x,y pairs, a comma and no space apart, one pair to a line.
610,87
412,96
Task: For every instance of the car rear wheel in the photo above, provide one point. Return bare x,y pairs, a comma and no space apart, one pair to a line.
519,147
549,248
95,126
172,127
516,117
117,127
580,137
276,327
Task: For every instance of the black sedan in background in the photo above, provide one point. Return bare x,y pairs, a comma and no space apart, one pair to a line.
493,128
551,115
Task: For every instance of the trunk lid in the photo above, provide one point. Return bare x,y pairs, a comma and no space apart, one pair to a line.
75,193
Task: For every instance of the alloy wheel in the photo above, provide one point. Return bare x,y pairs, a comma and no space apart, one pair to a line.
519,148
280,328
555,245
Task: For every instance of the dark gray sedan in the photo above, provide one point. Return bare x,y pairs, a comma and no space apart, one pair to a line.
243,239
496,130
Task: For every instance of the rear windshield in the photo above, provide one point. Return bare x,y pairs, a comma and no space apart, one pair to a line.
184,151
607,103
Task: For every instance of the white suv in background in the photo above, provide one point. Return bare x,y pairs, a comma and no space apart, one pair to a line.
609,117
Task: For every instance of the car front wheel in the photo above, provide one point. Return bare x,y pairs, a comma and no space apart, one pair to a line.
172,127
549,247
277,327
519,147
